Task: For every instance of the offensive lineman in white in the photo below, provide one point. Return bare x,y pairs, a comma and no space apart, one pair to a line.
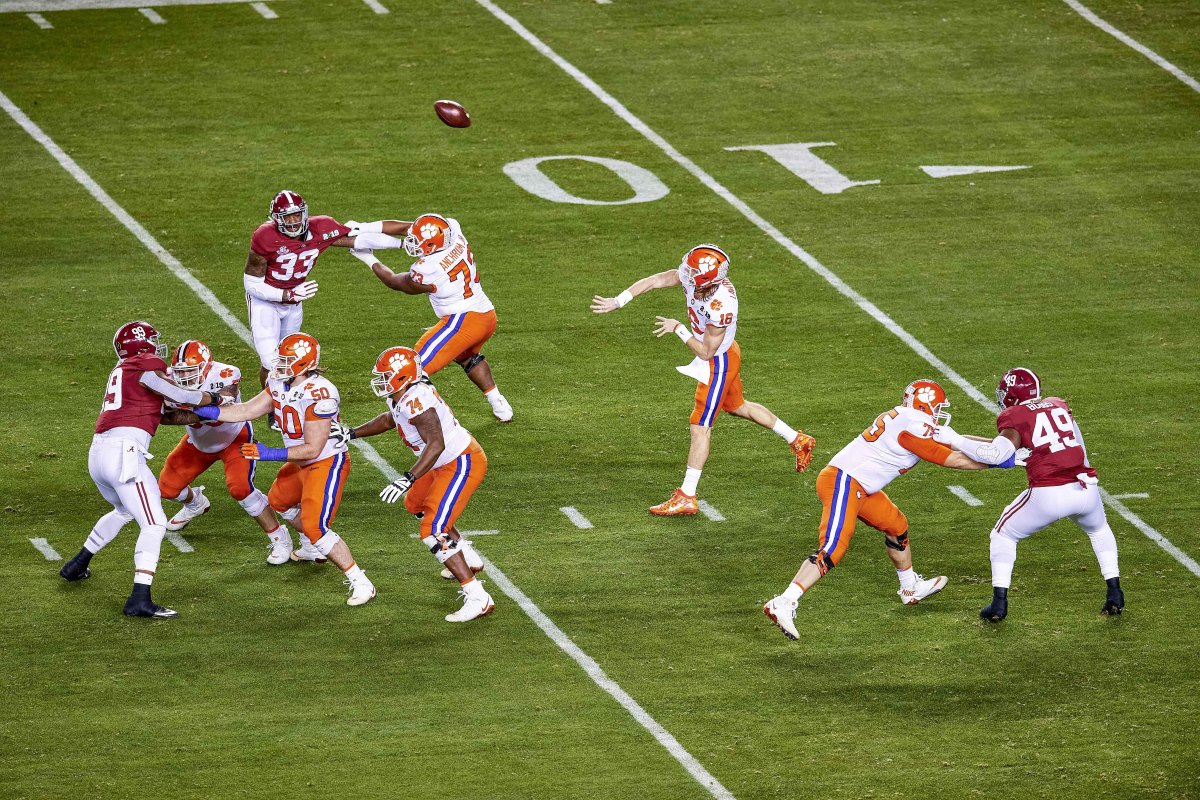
1062,484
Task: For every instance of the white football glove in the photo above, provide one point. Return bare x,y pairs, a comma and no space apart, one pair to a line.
340,434
364,255
305,291
1022,454
397,488
946,435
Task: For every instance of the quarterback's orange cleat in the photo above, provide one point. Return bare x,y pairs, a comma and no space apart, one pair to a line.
803,446
677,503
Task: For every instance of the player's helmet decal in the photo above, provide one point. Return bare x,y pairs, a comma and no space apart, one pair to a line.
703,265
137,337
928,397
298,354
428,234
191,363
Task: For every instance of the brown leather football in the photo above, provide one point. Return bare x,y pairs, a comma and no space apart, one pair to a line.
452,114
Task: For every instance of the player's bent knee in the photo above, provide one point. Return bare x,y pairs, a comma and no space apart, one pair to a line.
822,561
253,503
442,545
327,542
472,362
898,543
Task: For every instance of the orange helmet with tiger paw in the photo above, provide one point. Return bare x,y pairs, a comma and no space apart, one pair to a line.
704,265
428,234
191,363
928,397
396,369
298,354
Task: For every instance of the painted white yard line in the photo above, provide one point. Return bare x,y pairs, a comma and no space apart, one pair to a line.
1125,38
152,15
803,255
1133,496
45,549
376,6
962,494
181,544
13,6
594,671
709,511
264,10
543,622
577,519
40,21
951,172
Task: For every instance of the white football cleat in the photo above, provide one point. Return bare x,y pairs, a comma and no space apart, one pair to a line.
501,408
308,552
281,551
361,591
475,605
921,589
782,612
199,505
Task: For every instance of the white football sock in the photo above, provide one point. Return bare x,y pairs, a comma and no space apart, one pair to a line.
280,534
145,552
793,592
1104,544
783,430
907,577
1003,555
691,479
473,587
355,572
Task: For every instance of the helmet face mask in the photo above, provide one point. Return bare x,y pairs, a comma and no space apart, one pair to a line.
929,398
396,369
1018,385
428,234
290,214
191,364
138,337
703,267
298,355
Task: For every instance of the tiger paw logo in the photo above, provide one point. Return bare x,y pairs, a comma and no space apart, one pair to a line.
398,362
227,372
708,263
301,348
429,230
926,395
715,305
202,348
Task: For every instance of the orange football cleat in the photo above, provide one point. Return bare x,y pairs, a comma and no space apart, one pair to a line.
677,503
803,446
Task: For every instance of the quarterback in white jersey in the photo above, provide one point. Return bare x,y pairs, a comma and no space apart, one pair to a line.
712,306
308,488
450,466
446,271
205,443
851,488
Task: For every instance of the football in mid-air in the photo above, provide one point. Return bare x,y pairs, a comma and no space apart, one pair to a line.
452,114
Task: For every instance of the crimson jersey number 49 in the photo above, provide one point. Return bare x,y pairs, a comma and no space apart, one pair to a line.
1054,428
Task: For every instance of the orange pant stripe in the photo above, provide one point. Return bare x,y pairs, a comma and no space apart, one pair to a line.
442,494
723,392
843,503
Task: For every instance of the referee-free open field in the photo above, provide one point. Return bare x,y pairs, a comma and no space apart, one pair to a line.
1082,266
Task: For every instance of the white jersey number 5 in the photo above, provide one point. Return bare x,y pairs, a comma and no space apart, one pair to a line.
1055,429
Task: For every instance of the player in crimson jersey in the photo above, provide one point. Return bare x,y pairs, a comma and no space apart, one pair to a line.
712,306
445,270
851,489
205,443
129,416
450,466
1062,484
283,252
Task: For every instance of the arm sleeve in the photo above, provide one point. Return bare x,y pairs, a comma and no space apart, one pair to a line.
377,241
927,449
258,289
997,451
161,386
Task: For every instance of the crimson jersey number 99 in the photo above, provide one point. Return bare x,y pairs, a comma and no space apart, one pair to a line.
1054,428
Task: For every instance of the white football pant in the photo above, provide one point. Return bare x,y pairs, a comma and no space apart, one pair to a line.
270,323
118,467
1039,506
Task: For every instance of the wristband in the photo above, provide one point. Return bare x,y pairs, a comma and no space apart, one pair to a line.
352,434
409,476
1011,461
683,333
623,299
210,413
272,453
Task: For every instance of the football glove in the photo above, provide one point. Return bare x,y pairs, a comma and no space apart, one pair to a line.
340,434
305,291
397,488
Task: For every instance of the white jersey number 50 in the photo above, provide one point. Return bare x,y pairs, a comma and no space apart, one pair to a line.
1055,429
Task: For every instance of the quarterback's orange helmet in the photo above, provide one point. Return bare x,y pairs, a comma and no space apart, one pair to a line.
704,265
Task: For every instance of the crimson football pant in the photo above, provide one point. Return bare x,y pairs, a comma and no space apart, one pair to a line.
118,468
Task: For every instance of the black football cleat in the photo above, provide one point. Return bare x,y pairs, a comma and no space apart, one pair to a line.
77,568
998,609
1114,602
139,604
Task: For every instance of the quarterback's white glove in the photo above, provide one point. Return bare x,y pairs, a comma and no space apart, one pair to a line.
364,255
396,489
340,434
305,291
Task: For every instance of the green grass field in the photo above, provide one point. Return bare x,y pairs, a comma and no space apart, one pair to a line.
1083,267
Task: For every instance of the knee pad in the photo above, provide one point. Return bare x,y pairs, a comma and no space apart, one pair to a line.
254,503
442,546
822,560
473,362
326,543
290,514
897,542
